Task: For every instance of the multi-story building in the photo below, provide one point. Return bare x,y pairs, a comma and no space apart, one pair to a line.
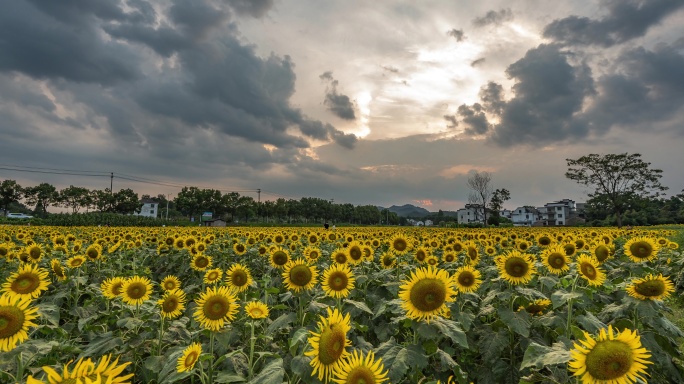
472,213
150,208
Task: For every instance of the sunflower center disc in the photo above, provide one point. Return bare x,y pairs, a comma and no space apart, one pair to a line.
557,260
428,294
338,281
420,256
300,275
238,279
135,291
651,288
400,245
170,304
215,308
280,258
466,279
588,270
641,250
601,253
25,284
190,360
609,359
331,345
516,267
355,253
361,375
11,321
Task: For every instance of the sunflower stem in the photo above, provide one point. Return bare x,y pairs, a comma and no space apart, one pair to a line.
569,322
20,367
161,335
211,362
252,341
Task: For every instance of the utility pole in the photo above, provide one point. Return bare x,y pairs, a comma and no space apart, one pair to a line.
167,207
111,183
259,203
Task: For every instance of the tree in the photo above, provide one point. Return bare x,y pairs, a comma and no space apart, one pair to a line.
10,192
496,204
41,197
126,201
480,184
74,198
619,180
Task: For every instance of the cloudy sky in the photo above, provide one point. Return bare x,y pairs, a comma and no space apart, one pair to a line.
363,102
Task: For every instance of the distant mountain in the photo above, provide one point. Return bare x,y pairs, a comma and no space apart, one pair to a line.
408,210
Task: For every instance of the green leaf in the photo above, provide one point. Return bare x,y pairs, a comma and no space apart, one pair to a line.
273,372
445,359
452,330
491,346
540,356
154,363
300,336
518,322
549,281
106,342
301,366
227,377
49,312
359,305
590,322
281,322
561,297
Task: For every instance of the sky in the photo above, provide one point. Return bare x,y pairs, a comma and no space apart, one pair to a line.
362,102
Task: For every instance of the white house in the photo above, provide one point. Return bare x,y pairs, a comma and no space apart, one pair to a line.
150,208
558,212
472,213
428,223
524,216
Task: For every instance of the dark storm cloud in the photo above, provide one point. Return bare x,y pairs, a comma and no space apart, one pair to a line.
339,104
549,92
64,43
456,34
214,86
494,18
474,119
647,88
254,8
477,62
625,20
452,121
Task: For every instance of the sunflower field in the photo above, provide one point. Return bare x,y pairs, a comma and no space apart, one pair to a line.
351,305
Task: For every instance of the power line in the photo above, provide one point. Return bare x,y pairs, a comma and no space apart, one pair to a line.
52,172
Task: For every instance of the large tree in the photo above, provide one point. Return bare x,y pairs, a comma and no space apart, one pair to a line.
499,197
74,198
10,192
41,197
480,184
619,180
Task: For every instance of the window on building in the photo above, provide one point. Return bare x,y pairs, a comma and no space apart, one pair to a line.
560,223
151,211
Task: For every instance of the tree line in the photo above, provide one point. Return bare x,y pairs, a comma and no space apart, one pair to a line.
191,202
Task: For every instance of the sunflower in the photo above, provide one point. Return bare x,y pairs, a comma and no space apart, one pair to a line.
432,260
279,257
112,288
312,253
356,369
570,249
602,252
35,253
522,245
537,307
399,244
544,240
86,371
15,319
213,275
238,278
467,279
6,251
201,262
189,357
458,246
490,250
613,357
555,260
256,310
641,249
28,282
588,268
388,260
57,269
472,253
426,294
516,267
329,344
337,281
239,248
339,256
172,304
136,290
651,287
93,252
355,252
170,282
298,276
216,307
421,254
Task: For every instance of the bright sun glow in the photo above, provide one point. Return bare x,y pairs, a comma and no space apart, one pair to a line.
363,101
